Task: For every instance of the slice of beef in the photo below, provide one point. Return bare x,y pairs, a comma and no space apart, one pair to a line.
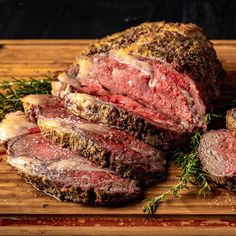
117,111
217,152
231,120
104,145
171,70
65,175
32,108
13,125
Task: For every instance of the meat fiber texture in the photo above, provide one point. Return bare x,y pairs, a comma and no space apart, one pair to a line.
66,175
102,144
166,73
217,152
100,109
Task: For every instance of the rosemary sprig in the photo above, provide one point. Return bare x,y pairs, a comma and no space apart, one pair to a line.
13,91
192,171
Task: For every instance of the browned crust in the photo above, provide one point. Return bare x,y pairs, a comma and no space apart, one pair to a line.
75,141
75,194
134,38
231,121
184,46
95,110
99,154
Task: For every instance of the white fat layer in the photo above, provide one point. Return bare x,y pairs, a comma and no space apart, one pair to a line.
75,163
23,163
96,128
131,60
86,68
58,90
153,81
36,99
63,77
13,125
194,113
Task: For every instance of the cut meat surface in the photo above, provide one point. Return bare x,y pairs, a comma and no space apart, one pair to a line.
66,175
32,105
104,145
165,68
150,84
217,152
164,90
117,111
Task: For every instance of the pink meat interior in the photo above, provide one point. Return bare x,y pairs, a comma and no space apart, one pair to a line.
113,139
227,150
78,171
34,145
164,92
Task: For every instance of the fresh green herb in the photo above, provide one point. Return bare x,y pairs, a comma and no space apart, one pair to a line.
13,91
192,171
208,117
191,166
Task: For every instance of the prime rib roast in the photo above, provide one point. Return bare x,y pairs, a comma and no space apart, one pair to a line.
217,152
165,73
66,175
127,100
98,109
103,145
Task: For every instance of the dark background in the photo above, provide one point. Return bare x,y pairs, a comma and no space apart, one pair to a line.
30,19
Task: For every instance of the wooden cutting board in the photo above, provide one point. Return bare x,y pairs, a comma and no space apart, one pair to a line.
24,210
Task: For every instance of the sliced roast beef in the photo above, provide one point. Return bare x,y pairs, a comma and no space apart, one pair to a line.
167,70
126,115
217,152
33,108
66,175
231,120
104,145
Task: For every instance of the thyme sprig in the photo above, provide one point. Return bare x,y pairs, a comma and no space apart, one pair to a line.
13,91
192,171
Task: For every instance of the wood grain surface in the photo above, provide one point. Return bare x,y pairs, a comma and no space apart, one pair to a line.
24,210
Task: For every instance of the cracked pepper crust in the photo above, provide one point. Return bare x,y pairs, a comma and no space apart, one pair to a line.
96,110
53,187
184,46
101,155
